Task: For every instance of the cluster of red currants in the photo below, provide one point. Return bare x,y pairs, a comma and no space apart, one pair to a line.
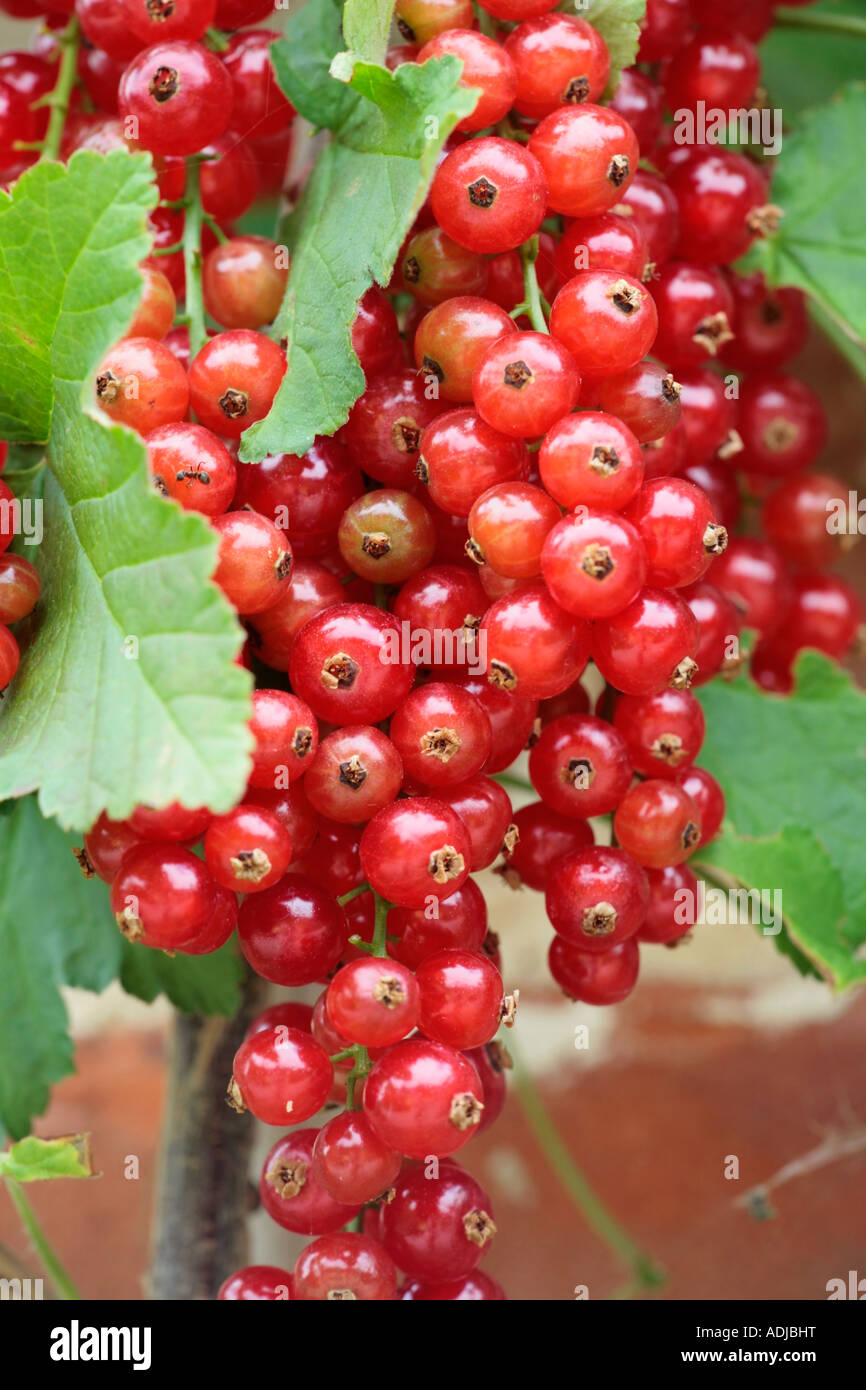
543,489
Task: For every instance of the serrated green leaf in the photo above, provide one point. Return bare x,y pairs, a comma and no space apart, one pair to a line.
194,984
56,928
35,1160
618,22
802,68
127,690
792,770
302,61
818,182
357,207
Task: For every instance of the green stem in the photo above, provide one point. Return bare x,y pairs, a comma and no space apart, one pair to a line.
644,1271
215,228
532,294
192,260
51,1264
60,97
354,893
380,929
508,779
786,17
361,1068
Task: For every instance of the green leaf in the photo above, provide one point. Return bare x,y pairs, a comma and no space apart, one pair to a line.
359,203
804,67
798,877
818,181
618,22
794,775
127,691
302,62
56,928
34,1160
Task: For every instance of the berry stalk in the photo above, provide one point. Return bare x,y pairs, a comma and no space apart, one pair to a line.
42,1246
191,243
59,98
534,306
645,1273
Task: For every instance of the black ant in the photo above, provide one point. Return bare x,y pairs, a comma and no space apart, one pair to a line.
193,475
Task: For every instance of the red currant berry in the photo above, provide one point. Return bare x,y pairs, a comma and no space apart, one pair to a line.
451,339
462,457
304,496
663,732
825,613
645,398
349,665
179,94
437,1228
489,195
653,207
639,101
344,1266
434,268
723,206
162,896
286,737
255,561
105,844
719,625
605,978
524,383
421,1098
649,645
386,536
139,383
718,69
592,460
290,1014
373,1002
782,424
280,1075
534,648
709,798
461,1000
356,772
658,823
291,1193
545,836
475,1287
487,67
606,320
248,849
293,933
665,27
350,1161
19,588
594,563
442,734
796,517
384,429
243,283
752,574
605,242
174,823
485,809
414,851
191,465
672,903
679,531
233,380
258,106
460,925
770,326
596,898
421,20
588,155
695,312
707,416
375,334
558,60
156,308
508,526
579,766
257,1283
